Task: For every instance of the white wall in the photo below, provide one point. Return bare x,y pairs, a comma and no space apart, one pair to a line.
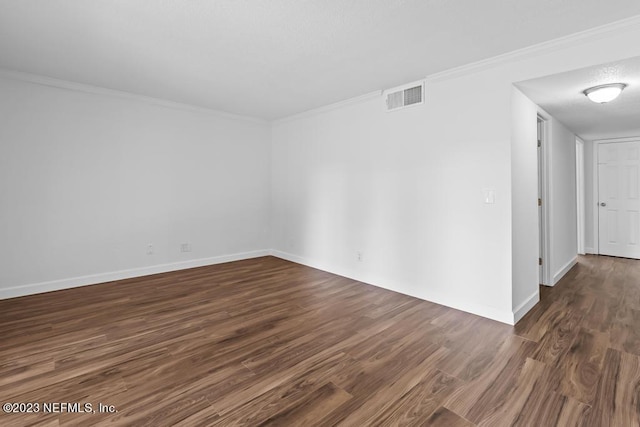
524,195
361,179
563,244
405,187
561,222
88,180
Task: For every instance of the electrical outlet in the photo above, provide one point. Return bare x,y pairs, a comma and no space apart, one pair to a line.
185,247
359,256
150,249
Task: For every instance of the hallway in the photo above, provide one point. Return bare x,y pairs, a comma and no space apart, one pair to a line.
588,340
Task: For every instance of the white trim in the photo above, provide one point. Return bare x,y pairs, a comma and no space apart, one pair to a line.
580,195
547,178
93,279
466,306
622,139
590,250
595,195
97,90
526,305
330,107
530,51
538,49
564,270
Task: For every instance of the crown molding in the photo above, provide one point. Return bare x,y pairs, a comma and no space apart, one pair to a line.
528,52
330,107
97,90
473,67
622,139
574,39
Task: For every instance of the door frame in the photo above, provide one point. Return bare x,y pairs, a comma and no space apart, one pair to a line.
580,195
544,178
596,182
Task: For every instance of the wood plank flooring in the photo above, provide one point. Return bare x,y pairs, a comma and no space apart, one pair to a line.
268,342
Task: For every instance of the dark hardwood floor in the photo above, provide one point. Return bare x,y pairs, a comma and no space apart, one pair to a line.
268,342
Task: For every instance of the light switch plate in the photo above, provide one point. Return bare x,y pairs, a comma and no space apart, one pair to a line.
489,195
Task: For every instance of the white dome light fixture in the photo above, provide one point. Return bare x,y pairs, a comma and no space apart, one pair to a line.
604,93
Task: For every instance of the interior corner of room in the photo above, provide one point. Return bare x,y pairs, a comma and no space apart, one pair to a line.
358,213
100,185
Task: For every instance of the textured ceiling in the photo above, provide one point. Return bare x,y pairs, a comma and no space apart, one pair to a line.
274,58
561,96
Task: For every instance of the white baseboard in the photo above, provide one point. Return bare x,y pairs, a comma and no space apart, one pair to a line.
466,306
93,279
527,305
564,270
590,251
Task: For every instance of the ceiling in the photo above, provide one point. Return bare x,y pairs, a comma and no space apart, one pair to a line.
561,96
271,59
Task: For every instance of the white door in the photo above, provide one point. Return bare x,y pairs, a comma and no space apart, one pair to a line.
619,199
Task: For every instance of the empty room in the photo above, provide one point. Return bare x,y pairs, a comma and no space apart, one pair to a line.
318,213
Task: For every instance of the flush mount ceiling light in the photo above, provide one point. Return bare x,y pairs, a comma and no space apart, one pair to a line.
604,93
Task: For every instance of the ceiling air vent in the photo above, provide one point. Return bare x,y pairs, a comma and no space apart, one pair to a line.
404,96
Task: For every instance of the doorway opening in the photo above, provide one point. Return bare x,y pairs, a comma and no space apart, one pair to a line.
618,197
542,218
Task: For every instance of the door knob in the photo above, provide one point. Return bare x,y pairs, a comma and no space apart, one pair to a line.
603,204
